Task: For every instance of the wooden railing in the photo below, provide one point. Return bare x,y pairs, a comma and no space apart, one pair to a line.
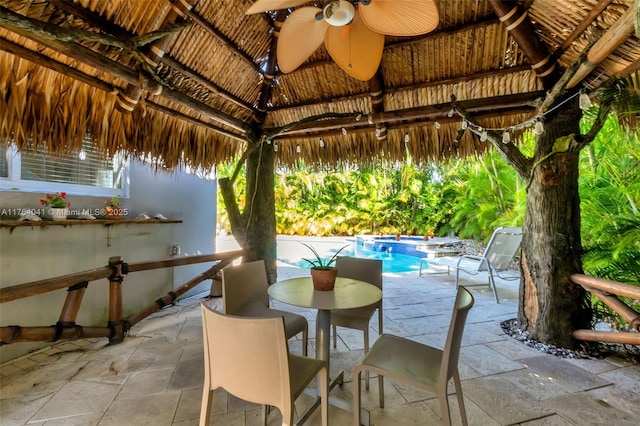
608,292
77,283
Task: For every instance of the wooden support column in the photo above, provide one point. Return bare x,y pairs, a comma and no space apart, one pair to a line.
376,87
116,320
127,99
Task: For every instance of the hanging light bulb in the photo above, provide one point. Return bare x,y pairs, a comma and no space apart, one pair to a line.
436,124
583,100
275,147
321,143
483,135
506,137
538,128
298,149
464,124
82,154
358,117
344,131
406,137
450,114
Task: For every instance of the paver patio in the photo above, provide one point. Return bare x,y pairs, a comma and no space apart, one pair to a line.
155,376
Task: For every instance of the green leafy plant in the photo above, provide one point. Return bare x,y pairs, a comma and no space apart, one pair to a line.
56,200
319,262
113,201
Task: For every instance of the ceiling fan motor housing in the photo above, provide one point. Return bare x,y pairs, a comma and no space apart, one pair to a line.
339,13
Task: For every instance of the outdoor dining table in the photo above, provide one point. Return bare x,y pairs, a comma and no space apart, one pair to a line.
347,294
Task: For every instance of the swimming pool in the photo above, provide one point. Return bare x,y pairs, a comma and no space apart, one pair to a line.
293,253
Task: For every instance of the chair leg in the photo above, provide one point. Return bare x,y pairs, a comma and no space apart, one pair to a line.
381,389
305,341
335,337
492,284
366,350
207,397
324,395
463,412
265,414
356,396
444,405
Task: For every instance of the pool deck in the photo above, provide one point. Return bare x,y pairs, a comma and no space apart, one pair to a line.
155,376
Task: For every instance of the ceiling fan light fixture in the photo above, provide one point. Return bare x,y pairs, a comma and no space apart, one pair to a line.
339,13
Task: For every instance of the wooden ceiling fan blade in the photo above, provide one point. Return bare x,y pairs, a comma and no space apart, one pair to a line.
400,17
264,5
301,35
355,48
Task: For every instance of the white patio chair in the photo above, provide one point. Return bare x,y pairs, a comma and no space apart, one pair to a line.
497,257
250,359
417,364
244,293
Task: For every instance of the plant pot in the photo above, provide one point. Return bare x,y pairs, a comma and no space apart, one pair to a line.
58,213
113,212
324,279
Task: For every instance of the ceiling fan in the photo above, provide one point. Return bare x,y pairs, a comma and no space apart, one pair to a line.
352,30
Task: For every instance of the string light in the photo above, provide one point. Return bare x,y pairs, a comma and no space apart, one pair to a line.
298,149
450,114
369,118
406,137
465,124
436,124
538,128
483,135
275,147
358,117
321,143
583,100
506,137
344,131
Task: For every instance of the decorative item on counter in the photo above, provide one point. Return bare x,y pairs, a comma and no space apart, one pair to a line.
160,217
323,274
143,216
29,218
57,205
113,209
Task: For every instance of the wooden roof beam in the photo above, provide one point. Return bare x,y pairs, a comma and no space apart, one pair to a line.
514,19
430,112
270,69
617,34
453,80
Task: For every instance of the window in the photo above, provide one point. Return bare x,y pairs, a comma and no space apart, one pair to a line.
85,172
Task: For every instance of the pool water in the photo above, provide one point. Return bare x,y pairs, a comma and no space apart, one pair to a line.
294,254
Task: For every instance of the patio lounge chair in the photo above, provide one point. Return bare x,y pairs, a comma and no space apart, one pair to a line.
497,257
250,359
244,293
417,364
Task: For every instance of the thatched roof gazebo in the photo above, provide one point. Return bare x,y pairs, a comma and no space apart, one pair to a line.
200,82
209,78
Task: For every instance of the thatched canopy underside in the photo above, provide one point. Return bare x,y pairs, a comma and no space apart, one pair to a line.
218,97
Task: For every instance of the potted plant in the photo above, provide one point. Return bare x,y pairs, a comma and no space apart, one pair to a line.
323,274
58,205
113,210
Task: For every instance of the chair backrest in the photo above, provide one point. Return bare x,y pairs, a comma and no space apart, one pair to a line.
464,302
502,247
244,285
368,270
248,357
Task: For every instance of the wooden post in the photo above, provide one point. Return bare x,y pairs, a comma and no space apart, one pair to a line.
69,313
116,321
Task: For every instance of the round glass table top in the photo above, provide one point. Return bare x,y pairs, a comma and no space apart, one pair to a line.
347,294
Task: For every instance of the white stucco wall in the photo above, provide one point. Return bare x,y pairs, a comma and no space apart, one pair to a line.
29,254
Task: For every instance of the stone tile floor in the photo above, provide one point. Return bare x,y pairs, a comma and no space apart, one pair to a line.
155,376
